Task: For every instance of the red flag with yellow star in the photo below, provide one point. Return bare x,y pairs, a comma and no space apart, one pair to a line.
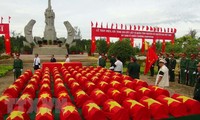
136,110
175,107
191,104
5,101
89,87
104,86
98,96
69,112
143,91
129,93
128,83
81,97
156,91
139,82
91,111
151,59
115,111
18,113
115,84
158,110
115,94
44,112
13,90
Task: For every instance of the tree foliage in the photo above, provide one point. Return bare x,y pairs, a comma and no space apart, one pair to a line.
102,46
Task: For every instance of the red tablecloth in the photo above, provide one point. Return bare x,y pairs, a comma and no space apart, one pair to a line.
51,65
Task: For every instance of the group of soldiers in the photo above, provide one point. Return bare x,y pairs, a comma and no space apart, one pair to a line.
187,67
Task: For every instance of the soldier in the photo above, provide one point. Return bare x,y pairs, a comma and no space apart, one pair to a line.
183,69
172,66
167,60
152,69
197,86
102,61
17,66
112,62
192,70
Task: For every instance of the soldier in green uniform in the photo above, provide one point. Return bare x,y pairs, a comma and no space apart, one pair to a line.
133,68
192,70
197,86
183,69
17,66
112,62
172,66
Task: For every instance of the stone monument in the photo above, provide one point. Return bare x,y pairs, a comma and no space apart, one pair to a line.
49,32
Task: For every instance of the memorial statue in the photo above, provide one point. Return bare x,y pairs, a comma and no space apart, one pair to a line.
28,31
70,33
49,33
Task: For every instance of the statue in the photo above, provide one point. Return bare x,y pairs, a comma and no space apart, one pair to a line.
70,33
49,33
28,31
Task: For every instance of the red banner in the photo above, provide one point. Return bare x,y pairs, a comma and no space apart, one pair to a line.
4,29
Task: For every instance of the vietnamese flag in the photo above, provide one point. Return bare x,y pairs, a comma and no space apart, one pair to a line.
115,111
151,59
115,84
98,96
69,112
26,101
105,78
80,98
128,84
18,115
136,110
157,91
95,79
158,110
89,87
93,44
115,94
175,107
129,93
91,111
104,86
5,101
191,104
143,91
13,90
44,112
74,87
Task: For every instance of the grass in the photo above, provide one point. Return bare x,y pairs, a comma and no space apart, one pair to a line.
4,69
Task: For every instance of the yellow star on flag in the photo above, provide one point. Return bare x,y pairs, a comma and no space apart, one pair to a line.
30,86
92,105
115,91
184,98
143,89
115,76
98,92
156,87
69,108
151,101
13,86
102,83
133,103
170,100
126,81
80,93
61,85
71,79
4,97
15,114
128,90
45,85
113,104
24,96
44,110
62,95
45,95
90,83
138,80
75,84
114,82
93,78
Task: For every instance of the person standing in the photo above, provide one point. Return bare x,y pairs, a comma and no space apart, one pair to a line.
133,68
67,58
183,69
118,65
197,86
17,66
52,58
102,61
162,78
100,55
36,63
192,70
167,60
152,69
112,62
172,66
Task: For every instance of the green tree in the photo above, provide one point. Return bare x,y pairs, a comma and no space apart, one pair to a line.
102,46
123,49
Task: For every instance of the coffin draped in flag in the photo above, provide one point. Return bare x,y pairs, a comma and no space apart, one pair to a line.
115,94
98,96
136,110
69,112
129,93
91,111
151,58
115,111
18,113
175,107
44,112
191,104
158,110
143,91
157,91
81,97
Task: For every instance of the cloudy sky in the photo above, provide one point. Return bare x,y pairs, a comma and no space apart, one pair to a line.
181,14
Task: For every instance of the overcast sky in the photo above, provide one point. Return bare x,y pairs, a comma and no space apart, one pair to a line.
181,14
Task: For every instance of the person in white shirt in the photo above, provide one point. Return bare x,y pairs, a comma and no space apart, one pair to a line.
67,58
36,62
162,78
118,66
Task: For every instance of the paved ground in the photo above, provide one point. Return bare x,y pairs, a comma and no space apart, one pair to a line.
28,59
